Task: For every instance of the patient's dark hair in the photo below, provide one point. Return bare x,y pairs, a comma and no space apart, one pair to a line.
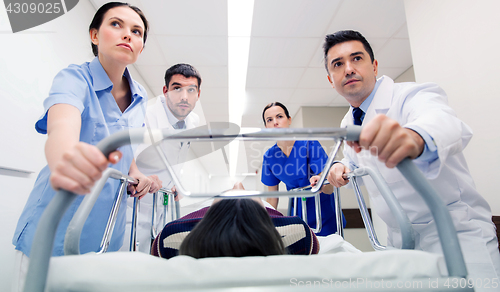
233,228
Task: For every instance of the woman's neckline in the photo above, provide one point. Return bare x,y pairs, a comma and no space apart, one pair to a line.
288,145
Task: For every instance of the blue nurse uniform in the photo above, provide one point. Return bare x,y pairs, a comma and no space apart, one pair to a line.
306,159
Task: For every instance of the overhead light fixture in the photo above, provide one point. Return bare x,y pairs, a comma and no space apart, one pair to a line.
239,23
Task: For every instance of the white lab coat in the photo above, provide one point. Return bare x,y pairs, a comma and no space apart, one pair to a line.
149,163
425,106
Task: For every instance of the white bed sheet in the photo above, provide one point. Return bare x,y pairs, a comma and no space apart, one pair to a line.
334,243
125,271
337,260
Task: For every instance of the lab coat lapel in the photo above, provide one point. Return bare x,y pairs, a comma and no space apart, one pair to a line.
381,104
381,101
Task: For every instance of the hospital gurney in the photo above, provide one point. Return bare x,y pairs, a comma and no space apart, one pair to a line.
259,273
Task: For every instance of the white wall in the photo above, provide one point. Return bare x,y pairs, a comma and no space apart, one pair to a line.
29,61
455,44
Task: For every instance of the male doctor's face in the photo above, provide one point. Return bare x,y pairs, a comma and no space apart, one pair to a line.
181,95
351,71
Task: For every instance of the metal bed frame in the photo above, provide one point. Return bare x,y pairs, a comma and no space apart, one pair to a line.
170,206
408,237
44,236
168,195
72,237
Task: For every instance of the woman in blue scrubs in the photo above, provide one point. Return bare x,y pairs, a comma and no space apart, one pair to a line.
297,164
87,103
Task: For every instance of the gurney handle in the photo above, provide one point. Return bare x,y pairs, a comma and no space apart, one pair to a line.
43,241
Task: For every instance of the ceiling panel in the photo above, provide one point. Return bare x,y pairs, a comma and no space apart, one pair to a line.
274,77
402,33
265,96
152,53
213,94
292,18
281,52
293,108
153,74
213,76
198,51
396,53
211,107
338,101
374,19
377,44
315,78
252,121
312,96
317,59
391,72
187,17
255,109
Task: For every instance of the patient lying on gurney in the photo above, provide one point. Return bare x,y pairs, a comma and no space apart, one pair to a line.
236,228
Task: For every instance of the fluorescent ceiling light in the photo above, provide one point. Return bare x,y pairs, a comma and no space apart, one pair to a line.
239,23
239,18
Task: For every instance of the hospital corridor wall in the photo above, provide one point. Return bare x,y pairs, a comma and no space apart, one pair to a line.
454,44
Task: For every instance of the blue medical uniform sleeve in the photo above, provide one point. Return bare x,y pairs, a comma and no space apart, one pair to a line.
268,178
317,157
69,87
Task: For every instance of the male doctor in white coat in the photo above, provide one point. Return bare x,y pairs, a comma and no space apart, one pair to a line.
410,120
172,110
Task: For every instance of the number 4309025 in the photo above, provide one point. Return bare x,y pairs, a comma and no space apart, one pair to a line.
34,8
476,283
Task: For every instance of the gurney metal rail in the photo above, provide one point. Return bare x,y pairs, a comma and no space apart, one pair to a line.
168,195
407,234
45,234
72,237
408,237
317,208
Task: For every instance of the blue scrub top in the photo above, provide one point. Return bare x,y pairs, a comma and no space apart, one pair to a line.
88,88
306,159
